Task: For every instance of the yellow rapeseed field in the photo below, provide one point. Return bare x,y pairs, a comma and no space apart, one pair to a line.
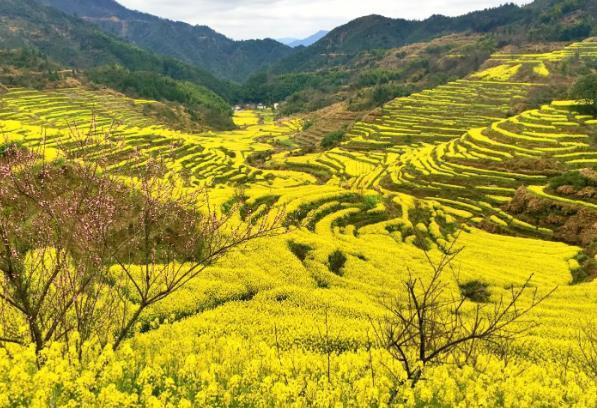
262,327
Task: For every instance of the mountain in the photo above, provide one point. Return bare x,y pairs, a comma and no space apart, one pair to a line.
287,40
197,45
552,20
305,42
373,59
74,43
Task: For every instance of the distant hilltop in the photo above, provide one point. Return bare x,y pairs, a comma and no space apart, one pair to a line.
305,42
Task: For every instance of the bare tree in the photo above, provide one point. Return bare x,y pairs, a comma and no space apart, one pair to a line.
433,325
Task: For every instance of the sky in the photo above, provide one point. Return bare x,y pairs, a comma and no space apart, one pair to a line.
246,19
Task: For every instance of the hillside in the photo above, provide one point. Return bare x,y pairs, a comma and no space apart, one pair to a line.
289,318
197,45
550,20
371,80
411,227
75,43
374,59
72,43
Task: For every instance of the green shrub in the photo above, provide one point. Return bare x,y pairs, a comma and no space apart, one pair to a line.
336,261
572,178
371,201
5,147
299,250
585,89
583,267
321,281
332,139
475,291
229,204
248,210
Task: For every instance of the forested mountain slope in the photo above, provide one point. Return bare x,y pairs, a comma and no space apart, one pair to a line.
197,45
551,20
107,60
373,59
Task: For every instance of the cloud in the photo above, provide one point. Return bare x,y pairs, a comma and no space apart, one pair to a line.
243,19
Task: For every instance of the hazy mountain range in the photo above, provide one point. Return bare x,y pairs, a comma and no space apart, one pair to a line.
305,42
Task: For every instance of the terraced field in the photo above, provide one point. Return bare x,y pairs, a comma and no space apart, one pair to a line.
453,144
481,170
71,107
124,139
422,117
429,169
325,121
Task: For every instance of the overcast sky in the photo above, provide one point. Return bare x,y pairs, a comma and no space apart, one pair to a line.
244,19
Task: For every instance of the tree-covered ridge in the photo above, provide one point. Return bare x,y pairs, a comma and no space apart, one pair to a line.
375,77
197,45
373,59
72,43
364,78
550,20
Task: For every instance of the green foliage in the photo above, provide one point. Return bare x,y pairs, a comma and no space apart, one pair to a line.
75,43
299,250
584,265
585,89
336,261
26,58
542,95
307,124
378,32
332,139
27,67
308,100
377,76
378,96
552,21
354,49
438,49
371,201
268,88
572,178
202,104
196,45
362,80
229,205
5,147
249,210
259,158
475,291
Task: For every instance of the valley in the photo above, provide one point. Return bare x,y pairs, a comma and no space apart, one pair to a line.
409,226
424,172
